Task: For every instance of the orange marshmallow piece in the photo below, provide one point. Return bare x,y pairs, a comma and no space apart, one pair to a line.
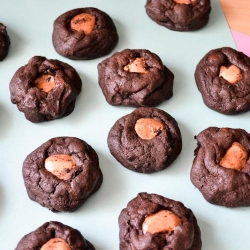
235,158
160,222
56,244
47,82
84,22
148,128
232,73
60,165
136,65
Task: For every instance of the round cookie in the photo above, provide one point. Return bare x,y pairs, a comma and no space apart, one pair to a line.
62,174
54,235
222,77
179,15
45,89
151,221
84,33
221,168
4,42
135,78
146,141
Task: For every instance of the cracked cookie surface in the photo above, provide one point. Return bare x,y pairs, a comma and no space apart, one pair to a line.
220,183
184,15
151,153
45,89
84,44
185,236
135,78
44,187
222,77
68,237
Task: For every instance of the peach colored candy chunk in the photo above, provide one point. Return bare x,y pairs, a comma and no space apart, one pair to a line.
136,65
60,165
56,244
160,222
47,82
235,158
232,74
148,128
84,22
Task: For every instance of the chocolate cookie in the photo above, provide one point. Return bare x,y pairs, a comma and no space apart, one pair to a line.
146,140
62,173
221,168
222,76
135,78
151,221
54,235
179,15
4,42
84,33
45,89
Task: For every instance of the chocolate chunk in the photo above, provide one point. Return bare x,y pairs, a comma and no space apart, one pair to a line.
222,77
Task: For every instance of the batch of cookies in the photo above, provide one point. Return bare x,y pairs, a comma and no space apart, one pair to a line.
64,172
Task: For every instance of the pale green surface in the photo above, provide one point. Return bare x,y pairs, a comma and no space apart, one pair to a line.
29,25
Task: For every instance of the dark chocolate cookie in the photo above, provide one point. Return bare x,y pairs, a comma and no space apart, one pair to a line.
146,140
135,78
151,221
84,33
62,173
223,76
221,168
179,15
45,89
4,42
54,235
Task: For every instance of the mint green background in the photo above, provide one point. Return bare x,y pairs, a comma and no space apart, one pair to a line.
29,25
